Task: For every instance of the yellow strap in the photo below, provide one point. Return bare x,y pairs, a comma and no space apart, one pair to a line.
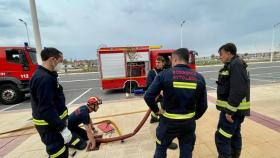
179,116
75,142
225,133
187,85
61,151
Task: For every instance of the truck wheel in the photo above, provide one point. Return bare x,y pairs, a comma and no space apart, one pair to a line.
10,94
133,86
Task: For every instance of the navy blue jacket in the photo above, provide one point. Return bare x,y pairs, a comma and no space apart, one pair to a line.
47,98
151,76
80,115
234,86
178,100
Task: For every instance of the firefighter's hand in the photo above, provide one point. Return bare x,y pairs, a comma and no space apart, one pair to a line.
66,135
229,118
161,93
91,144
160,112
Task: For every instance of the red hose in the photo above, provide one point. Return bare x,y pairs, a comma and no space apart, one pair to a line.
122,137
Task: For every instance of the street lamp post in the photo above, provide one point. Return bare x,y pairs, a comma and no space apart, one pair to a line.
181,34
26,30
272,43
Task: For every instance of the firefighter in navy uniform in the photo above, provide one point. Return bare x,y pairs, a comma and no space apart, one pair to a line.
48,104
160,64
184,101
233,101
82,116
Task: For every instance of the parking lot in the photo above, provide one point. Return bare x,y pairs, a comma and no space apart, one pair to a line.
79,87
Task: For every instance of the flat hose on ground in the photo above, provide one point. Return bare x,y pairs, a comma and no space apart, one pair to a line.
108,121
122,137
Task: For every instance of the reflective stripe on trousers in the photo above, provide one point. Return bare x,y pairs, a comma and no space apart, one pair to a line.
61,151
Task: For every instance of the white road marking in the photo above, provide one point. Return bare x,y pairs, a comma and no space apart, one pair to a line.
262,80
65,74
262,67
69,90
9,107
265,73
211,87
249,69
95,79
69,104
270,76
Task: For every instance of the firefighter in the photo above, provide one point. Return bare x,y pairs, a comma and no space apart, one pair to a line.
233,101
81,115
48,104
160,64
184,101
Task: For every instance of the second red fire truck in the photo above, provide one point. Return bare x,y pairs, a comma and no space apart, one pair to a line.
127,67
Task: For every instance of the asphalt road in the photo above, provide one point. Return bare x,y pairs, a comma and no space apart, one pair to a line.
79,87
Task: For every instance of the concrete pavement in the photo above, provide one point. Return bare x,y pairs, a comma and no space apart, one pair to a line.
261,131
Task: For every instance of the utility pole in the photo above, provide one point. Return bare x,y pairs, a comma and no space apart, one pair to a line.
181,34
36,30
272,43
27,33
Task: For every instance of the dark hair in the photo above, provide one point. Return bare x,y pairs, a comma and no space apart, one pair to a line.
182,54
161,58
229,47
46,53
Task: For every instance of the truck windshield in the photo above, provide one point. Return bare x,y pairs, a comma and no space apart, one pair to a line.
32,53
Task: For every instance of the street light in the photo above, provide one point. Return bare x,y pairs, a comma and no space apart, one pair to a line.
26,30
272,43
182,32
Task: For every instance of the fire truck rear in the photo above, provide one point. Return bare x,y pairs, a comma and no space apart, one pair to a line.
127,67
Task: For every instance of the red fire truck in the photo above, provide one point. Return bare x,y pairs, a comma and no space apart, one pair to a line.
17,65
127,67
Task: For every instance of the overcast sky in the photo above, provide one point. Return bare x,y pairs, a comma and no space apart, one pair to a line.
78,28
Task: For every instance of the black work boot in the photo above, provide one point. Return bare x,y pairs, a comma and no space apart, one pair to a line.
173,146
154,119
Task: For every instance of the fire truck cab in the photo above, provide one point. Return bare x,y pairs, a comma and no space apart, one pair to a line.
127,67
17,67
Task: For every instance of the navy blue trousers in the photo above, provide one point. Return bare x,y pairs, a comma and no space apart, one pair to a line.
54,142
228,136
166,131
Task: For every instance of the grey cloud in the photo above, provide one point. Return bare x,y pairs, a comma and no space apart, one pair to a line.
79,27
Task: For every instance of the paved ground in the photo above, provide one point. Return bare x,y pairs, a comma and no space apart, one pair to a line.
78,87
261,131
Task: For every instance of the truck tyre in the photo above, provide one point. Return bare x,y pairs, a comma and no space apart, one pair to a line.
133,86
10,94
